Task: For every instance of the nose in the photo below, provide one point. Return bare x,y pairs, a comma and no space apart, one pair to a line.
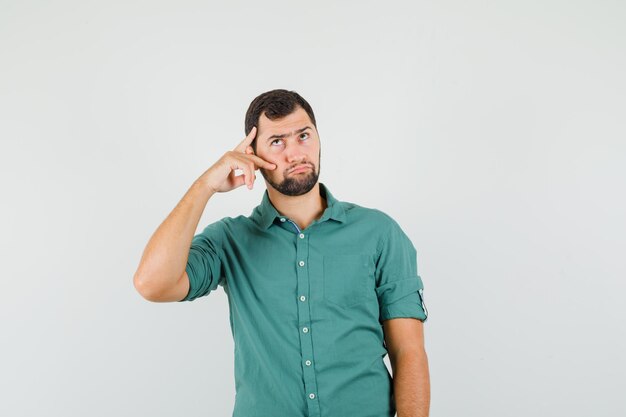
294,153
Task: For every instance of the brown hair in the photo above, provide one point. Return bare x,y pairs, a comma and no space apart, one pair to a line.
276,104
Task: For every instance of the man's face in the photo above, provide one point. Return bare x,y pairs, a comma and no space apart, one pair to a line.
289,142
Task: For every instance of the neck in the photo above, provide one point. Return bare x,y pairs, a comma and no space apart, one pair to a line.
302,209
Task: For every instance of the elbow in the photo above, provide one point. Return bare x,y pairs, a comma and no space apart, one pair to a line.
144,288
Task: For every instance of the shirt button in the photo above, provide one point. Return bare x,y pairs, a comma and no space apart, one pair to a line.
305,329
301,235
301,263
308,363
282,219
302,298
311,395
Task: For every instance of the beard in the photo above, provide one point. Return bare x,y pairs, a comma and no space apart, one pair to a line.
294,184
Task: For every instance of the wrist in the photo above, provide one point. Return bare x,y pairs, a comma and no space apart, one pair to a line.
203,188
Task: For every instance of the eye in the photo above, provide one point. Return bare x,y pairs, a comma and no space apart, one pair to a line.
303,133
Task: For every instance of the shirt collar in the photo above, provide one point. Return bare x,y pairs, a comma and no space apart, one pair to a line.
266,213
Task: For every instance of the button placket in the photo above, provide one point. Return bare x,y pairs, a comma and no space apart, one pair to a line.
304,319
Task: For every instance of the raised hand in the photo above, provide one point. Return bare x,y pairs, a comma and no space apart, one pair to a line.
220,177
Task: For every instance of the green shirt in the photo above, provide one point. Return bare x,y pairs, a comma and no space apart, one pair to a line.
307,306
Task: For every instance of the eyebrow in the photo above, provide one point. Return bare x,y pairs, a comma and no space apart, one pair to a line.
285,134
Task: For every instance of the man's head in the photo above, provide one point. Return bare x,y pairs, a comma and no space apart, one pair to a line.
286,136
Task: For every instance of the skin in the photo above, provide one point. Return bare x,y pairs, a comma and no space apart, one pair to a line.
404,338
294,194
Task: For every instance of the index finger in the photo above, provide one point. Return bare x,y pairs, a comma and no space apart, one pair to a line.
247,141
260,162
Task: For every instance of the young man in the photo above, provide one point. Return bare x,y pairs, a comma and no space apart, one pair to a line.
320,290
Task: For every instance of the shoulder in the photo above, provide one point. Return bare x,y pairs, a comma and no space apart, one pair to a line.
382,220
230,224
225,225
238,228
223,231
380,224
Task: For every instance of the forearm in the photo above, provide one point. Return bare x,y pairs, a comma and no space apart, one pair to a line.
164,258
411,383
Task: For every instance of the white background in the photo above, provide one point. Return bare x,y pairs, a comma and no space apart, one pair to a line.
493,132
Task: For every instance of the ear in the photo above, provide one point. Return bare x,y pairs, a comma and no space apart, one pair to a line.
249,150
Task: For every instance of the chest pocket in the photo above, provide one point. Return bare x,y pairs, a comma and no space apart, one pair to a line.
346,279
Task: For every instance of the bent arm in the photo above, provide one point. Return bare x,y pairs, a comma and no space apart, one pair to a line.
161,275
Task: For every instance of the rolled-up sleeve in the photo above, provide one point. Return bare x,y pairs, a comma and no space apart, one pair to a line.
399,288
204,264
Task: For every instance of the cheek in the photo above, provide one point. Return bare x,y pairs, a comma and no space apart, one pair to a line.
274,152
273,172
269,153
266,155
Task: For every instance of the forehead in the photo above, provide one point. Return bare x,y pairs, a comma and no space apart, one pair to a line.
296,120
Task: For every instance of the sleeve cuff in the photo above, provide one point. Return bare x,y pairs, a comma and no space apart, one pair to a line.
409,306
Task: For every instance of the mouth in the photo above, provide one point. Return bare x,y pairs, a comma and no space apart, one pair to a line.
299,168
